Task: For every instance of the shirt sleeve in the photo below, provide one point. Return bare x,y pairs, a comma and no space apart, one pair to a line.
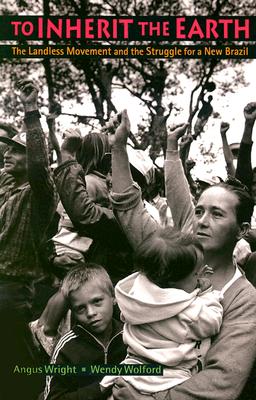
135,220
244,164
204,316
178,194
44,195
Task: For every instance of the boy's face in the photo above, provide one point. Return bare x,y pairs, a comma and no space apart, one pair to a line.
92,306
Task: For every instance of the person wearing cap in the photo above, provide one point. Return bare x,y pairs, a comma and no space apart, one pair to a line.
204,181
26,209
6,180
6,130
144,174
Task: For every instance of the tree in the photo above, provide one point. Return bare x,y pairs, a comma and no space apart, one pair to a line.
150,80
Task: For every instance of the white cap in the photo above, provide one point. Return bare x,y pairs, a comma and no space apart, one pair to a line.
142,162
208,178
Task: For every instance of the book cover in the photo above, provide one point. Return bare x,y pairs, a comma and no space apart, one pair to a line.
165,63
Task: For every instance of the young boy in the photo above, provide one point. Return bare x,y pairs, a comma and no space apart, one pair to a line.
96,337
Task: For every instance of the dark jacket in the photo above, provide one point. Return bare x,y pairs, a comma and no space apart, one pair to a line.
88,218
244,171
110,247
79,347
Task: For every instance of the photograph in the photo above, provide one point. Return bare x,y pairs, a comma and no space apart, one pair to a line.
127,200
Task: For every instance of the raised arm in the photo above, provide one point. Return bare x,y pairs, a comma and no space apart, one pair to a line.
37,159
122,177
244,165
126,198
39,176
177,188
55,111
224,127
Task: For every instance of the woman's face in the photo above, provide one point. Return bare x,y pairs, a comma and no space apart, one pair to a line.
216,223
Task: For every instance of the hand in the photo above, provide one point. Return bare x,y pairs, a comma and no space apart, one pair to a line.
204,271
250,112
122,131
203,278
224,127
175,135
55,111
242,251
112,124
28,94
190,164
124,391
72,141
178,131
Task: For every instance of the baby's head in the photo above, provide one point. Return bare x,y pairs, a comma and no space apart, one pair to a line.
91,296
169,256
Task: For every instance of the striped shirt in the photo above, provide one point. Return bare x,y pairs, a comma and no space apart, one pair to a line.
26,211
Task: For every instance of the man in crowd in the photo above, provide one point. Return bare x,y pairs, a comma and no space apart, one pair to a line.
27,205
6,130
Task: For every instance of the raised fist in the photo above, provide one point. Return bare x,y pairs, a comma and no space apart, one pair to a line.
250,112
224,127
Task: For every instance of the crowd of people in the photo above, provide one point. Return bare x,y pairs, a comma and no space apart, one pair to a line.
97,267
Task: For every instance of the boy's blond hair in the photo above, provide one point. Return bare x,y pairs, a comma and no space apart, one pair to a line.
90,272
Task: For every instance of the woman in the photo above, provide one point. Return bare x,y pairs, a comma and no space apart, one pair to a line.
221,217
